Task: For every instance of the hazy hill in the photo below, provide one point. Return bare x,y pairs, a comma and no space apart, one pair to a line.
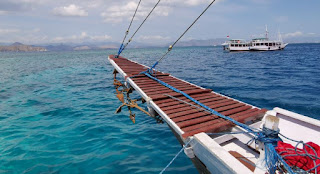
207,42
115,45
19,47
60,47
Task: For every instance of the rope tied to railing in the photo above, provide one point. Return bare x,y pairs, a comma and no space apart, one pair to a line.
268,137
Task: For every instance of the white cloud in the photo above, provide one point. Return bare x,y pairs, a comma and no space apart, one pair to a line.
101,38
8,31
81,38
282,19
261,1
71,10
294,34
152,38
187,2
36,30
195,2
3,12
118,12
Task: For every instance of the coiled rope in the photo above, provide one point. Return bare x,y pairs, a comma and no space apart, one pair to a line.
268,137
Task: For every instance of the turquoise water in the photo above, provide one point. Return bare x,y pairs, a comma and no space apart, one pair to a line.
57,108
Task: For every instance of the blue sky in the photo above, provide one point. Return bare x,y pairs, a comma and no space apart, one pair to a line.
77,21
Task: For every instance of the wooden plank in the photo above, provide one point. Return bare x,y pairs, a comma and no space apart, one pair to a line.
175,94
209,123
223,125
189,119
170,101
245,161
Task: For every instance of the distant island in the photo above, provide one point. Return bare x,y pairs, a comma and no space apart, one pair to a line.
85,46
19,47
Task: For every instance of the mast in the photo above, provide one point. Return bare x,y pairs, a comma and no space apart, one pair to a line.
279,36
267,32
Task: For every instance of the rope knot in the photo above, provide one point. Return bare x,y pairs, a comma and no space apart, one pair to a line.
268,136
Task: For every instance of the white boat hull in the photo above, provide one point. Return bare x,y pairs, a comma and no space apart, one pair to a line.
255,48
267,48
215,152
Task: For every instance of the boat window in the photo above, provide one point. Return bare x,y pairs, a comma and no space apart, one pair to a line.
232,45
258,44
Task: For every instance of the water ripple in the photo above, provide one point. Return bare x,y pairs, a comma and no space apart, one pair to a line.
57,109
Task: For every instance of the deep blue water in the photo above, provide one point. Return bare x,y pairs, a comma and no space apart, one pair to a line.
57,108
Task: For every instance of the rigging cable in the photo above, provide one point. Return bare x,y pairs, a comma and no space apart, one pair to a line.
125,45
127,32
171,46
272,157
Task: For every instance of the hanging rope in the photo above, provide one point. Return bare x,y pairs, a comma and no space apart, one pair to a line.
125,45
171,46
127,32
184,146
267,136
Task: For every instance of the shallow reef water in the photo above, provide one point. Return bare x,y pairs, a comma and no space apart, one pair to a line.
57,108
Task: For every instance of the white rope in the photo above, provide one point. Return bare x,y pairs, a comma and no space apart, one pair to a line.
184,146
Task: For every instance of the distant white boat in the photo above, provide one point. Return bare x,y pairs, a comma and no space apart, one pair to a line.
257,44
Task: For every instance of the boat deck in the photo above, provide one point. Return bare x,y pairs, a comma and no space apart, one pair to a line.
184,118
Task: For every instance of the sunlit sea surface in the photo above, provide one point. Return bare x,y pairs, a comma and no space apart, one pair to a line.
57,108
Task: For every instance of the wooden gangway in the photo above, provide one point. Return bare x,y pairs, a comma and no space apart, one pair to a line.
180,113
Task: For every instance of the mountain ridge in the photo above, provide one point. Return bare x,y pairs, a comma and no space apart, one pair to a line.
19,47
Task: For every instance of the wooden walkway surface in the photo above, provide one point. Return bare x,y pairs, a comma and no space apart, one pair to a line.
189,119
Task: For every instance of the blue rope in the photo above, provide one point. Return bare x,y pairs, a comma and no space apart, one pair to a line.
199,103
120,49
272,157
150,70
267,136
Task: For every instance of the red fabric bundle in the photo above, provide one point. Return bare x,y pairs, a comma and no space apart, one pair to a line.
303,162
